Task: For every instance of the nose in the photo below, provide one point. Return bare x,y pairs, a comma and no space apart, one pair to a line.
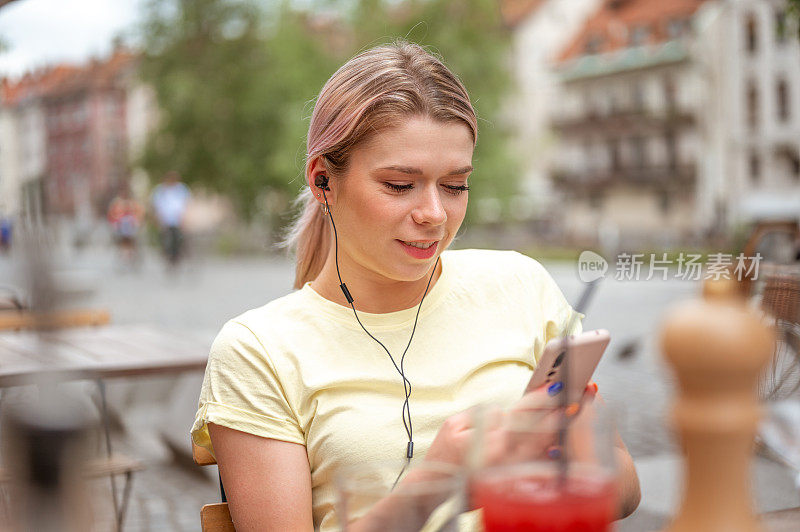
429,210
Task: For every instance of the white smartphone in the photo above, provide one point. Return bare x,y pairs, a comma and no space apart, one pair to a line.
585,352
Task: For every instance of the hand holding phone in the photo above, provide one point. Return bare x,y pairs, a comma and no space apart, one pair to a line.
585,352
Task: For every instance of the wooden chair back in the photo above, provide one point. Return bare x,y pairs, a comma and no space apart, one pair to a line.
213,517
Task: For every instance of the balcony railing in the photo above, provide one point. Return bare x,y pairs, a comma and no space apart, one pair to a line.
659,176
624,122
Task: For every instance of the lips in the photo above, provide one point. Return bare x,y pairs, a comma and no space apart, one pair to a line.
420,249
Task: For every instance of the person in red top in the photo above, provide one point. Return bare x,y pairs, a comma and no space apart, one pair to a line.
125,216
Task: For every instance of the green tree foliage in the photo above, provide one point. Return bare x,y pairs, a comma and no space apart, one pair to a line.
793,8
235,83
231,94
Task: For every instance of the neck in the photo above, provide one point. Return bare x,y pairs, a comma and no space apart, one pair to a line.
371,293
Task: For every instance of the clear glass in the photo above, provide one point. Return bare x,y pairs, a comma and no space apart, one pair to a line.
393,496
542,471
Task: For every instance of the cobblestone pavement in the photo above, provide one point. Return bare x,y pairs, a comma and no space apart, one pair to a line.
198,299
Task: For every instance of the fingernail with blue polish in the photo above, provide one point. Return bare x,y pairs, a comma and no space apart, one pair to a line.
554,388
554,453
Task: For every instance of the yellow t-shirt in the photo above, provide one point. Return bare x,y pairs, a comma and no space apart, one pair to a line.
300,369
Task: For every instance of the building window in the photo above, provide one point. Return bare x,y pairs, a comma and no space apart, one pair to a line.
755,168
792,160
669,93
613,102
752,105
639,154
783,101
672,151
638,97
780,26
751,32
83,112
587,156
664,202
639,35
613,154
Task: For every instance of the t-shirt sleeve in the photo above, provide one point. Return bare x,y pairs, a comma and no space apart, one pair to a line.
242,390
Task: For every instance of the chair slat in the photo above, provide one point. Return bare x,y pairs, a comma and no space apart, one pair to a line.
201,456
216,518
115,465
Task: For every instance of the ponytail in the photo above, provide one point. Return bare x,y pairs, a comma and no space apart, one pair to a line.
311,238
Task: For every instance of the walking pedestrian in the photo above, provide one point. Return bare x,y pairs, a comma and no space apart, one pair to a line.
6,229
125,216
169,200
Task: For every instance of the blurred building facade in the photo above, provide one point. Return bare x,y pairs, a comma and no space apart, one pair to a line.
23,156
656,121
70,134
672,121
627,120
540,29
761,135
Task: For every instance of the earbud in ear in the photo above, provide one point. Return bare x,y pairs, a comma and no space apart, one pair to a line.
321,182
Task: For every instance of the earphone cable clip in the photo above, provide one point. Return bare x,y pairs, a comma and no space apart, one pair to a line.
346,293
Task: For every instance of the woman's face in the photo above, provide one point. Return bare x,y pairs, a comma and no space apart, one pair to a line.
403,199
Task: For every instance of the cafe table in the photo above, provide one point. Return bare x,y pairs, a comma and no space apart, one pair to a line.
98,353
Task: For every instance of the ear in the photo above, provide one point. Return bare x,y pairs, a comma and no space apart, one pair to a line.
315,170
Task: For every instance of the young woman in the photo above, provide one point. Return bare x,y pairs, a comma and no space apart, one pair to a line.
330,375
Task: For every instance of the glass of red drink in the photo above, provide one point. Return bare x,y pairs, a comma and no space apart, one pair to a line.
552,474
534,497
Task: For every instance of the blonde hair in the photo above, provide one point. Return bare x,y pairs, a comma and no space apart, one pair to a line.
374,90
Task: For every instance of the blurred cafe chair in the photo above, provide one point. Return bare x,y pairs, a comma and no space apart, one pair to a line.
776,290
16,315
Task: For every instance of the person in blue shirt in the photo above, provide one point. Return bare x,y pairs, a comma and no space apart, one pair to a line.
170,200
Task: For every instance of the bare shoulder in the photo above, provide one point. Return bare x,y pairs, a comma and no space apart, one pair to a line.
267,481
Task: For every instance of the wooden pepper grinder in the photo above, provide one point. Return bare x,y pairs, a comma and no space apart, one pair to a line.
717,347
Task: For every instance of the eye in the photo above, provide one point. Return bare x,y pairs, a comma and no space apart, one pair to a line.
456,189
399,188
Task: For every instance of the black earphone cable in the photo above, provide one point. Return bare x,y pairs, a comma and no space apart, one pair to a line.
350,300
406,414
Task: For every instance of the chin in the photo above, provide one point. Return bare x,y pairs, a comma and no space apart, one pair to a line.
415,272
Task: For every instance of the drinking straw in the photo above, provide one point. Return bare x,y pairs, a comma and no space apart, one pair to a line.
565,419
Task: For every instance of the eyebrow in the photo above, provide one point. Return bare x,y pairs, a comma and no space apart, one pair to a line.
418,171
